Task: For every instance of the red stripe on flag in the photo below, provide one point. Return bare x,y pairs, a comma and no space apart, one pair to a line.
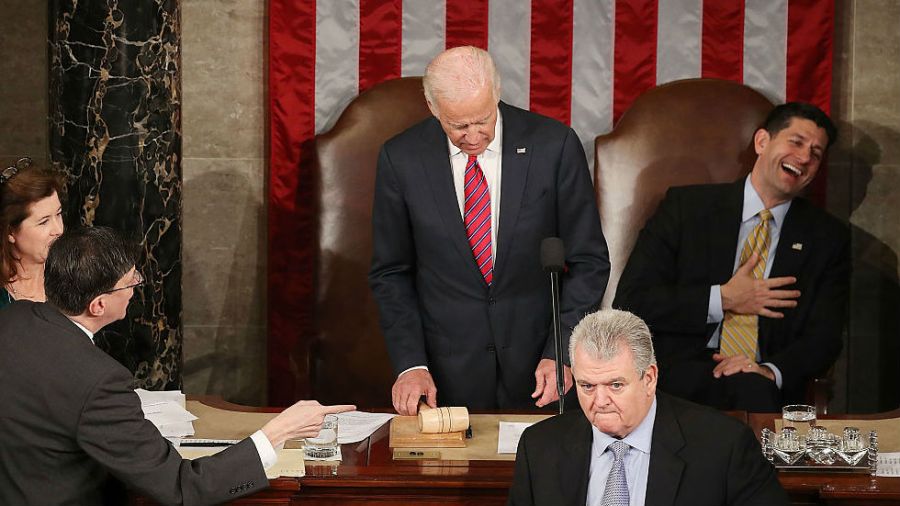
810,34
634,56
466,23
810,31
292,52
551,59
723,40
380,41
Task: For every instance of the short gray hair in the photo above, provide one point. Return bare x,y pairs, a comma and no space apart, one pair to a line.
458,72
601,334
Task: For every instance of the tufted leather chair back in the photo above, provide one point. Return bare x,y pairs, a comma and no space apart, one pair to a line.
685,132
347,358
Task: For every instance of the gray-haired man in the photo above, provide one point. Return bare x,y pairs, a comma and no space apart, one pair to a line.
632,445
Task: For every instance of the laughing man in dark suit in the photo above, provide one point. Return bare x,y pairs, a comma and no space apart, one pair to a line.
631,445
696,273
462,202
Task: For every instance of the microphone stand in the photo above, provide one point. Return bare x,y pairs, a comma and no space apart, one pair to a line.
557,339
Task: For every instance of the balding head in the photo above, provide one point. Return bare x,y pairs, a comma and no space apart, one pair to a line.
458,74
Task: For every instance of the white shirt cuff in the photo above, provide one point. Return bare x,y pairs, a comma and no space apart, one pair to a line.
413,369
776,371
714,313
264,448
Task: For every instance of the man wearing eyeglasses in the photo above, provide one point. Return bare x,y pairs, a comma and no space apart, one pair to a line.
69,418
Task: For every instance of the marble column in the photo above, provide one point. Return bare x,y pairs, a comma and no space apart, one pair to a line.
115,129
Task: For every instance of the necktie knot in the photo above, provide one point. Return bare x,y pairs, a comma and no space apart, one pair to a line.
765,215
619,449
472,159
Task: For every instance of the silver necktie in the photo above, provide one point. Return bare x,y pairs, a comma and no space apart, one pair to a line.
616,493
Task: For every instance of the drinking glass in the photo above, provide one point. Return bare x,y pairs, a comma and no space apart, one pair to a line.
800,416
325,444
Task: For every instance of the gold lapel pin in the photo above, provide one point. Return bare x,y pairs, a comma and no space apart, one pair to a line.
520,151
797,246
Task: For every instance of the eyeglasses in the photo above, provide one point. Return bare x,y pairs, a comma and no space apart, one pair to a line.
21,164
138,281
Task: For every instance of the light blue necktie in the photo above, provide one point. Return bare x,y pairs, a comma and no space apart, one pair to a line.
616,493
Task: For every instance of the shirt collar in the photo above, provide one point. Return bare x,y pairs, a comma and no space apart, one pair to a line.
640,438
496,145
85,330
753,204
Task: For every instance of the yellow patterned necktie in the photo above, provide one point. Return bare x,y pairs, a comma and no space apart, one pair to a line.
740,332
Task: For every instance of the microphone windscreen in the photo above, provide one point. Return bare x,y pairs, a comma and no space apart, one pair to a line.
553,254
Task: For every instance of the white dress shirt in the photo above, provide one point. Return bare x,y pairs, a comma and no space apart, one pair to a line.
264,447
637,461
753,204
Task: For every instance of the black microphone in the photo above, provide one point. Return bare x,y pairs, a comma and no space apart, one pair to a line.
553,259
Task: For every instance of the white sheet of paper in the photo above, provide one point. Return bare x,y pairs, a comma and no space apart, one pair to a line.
354,426
510,432
888,465
155,397
179,429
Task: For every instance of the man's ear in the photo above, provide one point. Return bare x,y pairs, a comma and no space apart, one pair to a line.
97,306
651,376
760,139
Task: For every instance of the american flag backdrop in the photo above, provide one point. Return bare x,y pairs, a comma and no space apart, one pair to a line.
580,61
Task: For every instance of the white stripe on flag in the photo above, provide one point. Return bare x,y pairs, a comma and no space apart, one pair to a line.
423,35
678,39
509,42
337,59
765,47
592,71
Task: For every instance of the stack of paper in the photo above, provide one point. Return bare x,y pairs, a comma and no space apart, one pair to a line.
354,426
166,411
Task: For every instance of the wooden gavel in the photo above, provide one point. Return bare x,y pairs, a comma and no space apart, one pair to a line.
442,420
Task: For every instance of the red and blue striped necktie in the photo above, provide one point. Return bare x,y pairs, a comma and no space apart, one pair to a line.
477,217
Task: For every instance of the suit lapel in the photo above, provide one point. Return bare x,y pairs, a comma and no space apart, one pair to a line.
515,165
666,467
724,228
575,469
436,166
793,248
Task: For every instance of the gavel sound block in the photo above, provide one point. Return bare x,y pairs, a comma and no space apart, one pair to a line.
433,428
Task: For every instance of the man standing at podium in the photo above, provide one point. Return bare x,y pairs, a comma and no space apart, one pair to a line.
462,202
69,418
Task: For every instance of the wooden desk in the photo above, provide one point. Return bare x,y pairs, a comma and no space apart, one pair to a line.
368,475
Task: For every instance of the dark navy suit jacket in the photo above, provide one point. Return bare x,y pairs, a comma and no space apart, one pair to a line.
482,344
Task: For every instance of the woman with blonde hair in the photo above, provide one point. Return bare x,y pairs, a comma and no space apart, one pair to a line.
31,219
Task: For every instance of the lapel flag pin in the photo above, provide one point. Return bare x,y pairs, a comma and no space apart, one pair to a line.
520,151
797,246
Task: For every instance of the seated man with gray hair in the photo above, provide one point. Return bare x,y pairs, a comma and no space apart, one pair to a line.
633,445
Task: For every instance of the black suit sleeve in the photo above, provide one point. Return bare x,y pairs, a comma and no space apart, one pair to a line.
650,284
587,256
112,431
392,274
